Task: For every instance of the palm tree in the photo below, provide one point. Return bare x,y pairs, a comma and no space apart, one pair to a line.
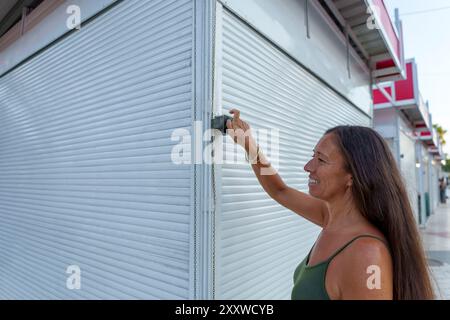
441,132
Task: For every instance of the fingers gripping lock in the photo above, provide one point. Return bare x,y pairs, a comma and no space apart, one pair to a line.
220,123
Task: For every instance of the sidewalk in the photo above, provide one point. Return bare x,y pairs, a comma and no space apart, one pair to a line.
436,241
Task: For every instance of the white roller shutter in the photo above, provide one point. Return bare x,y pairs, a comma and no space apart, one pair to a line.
426,180
408,170
258,242
435,180
434,184
86,176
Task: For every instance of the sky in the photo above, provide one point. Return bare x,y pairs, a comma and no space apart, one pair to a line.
426,34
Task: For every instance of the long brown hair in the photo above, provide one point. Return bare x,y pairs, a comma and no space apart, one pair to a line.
381,197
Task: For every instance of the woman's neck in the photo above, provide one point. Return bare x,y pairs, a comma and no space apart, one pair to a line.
343,213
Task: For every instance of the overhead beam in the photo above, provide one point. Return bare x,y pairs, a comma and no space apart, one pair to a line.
14,15
343,23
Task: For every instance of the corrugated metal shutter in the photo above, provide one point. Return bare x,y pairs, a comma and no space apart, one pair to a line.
434,186
259,243
86,176
408,169
426,170
438,175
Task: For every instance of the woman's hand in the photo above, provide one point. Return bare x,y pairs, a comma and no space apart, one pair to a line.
240,130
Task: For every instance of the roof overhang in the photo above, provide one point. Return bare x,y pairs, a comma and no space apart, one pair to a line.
431,140
5,7
437,152
372,34
404,95
12,10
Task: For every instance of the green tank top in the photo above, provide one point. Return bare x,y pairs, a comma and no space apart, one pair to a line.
309,281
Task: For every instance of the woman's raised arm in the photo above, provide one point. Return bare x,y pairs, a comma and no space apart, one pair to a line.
310,208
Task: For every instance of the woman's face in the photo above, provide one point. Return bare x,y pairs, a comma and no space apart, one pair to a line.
328,178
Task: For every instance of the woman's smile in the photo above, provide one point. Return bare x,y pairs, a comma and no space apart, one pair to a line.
313,182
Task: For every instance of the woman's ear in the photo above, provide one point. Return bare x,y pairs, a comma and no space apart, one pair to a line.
350,181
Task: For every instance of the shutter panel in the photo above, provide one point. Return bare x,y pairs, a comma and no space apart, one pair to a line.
436,185
86,176
259,243
408,169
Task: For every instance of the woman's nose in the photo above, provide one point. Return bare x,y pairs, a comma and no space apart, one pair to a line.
308,166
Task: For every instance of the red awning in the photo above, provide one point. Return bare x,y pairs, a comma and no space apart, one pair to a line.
405,95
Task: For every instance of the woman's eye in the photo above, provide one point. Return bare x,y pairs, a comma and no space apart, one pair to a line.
320,160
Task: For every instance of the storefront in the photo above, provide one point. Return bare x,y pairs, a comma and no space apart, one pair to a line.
404,120
432,168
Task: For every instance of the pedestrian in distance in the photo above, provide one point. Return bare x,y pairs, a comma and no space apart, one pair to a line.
442,190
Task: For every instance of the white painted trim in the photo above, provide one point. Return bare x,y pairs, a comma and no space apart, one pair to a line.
415,82
386,94
401,104
218,60
384,72
46,31
393,92
194,186
397,138
202,102
389,78
407,104
380,106
399,28
217,109
430,185
380,57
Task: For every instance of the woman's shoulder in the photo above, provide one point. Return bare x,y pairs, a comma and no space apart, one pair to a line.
369,242
366,244
368,232
368,247
367,257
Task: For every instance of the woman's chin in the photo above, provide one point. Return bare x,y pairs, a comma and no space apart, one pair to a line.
314,192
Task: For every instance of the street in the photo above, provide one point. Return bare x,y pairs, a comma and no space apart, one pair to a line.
436,240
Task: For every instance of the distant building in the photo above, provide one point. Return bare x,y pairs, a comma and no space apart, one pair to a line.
404,120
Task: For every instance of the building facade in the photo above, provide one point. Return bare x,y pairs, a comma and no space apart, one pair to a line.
403,118
91,113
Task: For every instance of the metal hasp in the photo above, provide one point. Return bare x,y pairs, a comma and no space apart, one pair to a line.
220,123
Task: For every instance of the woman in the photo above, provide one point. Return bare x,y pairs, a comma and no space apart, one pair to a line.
369,247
